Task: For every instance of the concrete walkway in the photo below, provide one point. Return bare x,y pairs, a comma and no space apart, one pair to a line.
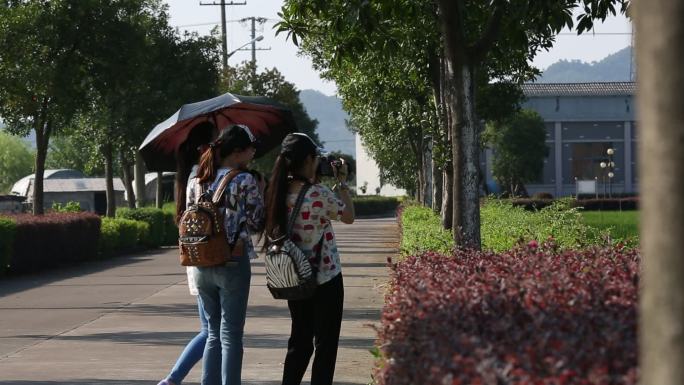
125,320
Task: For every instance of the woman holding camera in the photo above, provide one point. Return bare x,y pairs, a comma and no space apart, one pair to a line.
315,321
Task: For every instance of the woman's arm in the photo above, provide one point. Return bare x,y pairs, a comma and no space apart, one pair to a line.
342,190
348,214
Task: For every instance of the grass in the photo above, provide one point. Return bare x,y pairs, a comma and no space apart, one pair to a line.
621,224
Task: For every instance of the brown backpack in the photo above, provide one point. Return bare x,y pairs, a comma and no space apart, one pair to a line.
202,239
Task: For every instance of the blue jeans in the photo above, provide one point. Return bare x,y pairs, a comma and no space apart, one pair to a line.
193,352
224,291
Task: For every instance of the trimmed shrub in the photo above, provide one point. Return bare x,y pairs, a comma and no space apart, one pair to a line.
542,195
614,204
119,235
532,315
170,229
53,239
152,216
592,204
375,205
7,231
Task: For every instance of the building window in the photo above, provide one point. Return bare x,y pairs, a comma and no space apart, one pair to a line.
593,130
582,160
548,175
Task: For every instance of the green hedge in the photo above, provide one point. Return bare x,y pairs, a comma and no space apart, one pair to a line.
120,234
502,227
7,230
152,216
375,205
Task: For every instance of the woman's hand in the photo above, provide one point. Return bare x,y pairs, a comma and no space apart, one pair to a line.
342,172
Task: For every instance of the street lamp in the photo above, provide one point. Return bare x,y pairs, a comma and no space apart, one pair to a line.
258,38
608,167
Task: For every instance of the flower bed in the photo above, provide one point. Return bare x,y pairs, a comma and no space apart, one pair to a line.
531,315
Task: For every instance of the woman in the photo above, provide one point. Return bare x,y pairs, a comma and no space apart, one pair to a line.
187,157
316,321
224,289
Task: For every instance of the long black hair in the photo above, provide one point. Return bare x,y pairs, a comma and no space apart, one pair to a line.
296,148
187,155
231,139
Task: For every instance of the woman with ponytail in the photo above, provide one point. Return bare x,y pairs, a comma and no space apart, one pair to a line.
224,289
315,321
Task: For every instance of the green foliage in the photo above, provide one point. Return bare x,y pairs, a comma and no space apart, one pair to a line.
519,149
16,161
69,207
75,151
7,230
421,230
623,226
504,226
119,234
244,80
154,217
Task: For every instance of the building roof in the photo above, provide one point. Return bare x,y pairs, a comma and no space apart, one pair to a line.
579,89
80,185
21,187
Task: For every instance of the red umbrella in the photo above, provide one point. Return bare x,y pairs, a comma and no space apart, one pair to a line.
268,120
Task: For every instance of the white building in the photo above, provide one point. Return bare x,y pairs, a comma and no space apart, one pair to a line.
368,174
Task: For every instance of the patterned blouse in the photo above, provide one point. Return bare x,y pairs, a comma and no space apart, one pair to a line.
244,206
314,226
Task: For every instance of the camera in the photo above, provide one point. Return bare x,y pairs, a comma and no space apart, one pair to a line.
328,162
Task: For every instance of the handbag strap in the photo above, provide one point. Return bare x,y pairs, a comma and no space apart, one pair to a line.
297,207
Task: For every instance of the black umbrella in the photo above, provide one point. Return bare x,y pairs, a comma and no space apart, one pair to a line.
268,120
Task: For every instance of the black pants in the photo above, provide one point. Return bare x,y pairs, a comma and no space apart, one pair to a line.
315,323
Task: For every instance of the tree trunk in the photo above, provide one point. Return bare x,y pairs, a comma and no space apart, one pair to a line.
470,143
660,33
43,130
436,187
139,172
109,179
160,192
428,167
42,139
447,197
127,180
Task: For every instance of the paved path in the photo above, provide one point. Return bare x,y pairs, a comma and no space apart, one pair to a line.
125,320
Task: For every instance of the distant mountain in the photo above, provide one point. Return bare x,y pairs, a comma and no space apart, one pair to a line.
613,68
332,127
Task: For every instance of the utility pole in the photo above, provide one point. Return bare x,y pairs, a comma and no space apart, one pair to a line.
254,20
224,40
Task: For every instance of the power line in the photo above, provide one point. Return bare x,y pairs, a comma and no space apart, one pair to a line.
595,33
219,22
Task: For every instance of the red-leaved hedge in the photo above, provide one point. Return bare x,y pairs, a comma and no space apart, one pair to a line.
53,239
528,316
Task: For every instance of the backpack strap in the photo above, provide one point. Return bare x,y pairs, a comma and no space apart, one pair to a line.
218,194
297,207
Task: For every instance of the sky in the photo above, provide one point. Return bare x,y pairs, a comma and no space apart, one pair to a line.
609,38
